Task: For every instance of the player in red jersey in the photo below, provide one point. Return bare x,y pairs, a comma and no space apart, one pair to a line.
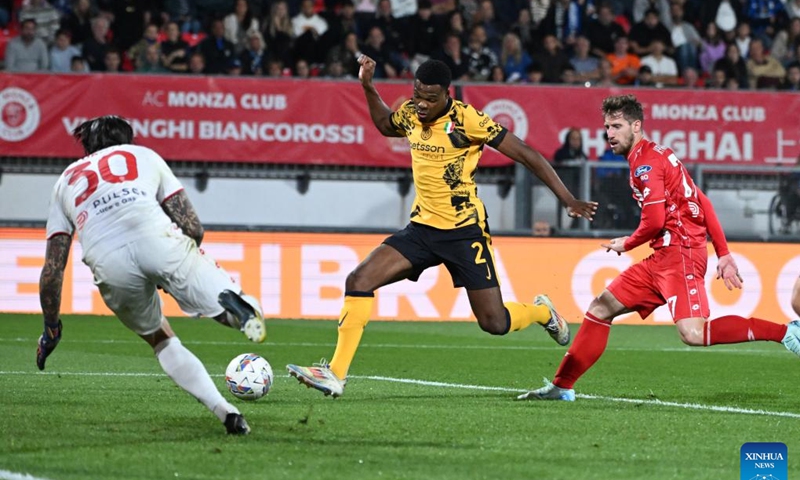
676,217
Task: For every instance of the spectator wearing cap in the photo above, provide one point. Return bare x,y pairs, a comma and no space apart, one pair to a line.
78,65
62,51
234,68
533,74
27,52
645,77
47,19
663,68
792,80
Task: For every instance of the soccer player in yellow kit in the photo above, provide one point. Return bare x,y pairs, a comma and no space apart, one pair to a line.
448,220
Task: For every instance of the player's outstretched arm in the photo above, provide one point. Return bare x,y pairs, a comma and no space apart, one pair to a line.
517,150
180,210
381,114
51,281
726,265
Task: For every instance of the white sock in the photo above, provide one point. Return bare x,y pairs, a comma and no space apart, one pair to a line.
188,372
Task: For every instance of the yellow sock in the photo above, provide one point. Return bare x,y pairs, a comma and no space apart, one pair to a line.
523,314
352,320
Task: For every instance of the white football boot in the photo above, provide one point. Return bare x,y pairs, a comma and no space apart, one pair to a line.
320,377
557,327
549,392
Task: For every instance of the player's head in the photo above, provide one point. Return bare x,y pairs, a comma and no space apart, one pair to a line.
431,84
103,132
622,118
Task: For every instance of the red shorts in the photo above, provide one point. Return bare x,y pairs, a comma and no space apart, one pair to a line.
672,275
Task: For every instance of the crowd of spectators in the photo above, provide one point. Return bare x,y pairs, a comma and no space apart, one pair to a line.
722,44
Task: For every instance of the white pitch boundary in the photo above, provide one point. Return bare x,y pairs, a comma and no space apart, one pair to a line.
428,383
8,475
728,349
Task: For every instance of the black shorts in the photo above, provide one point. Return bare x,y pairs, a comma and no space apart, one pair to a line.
466,252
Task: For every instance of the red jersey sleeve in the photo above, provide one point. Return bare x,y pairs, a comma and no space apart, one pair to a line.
647,181
713,226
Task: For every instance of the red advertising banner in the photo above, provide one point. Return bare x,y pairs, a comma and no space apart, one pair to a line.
203,118
720,127
327,122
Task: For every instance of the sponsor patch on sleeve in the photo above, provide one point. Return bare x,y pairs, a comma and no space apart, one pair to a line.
641,170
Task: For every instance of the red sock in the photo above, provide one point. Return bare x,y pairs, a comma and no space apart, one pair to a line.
736,329
589,344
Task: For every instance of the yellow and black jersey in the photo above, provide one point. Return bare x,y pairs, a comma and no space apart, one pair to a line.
444,157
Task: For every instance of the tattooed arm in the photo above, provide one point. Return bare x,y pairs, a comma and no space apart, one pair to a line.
52,276
50,283
180,210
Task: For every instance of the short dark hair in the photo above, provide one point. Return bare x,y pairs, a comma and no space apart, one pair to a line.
630,108
103,132
434,72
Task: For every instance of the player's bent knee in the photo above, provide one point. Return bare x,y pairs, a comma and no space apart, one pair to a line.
494,325
693,338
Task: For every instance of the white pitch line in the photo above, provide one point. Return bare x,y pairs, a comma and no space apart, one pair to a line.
690,406
716,349
428,383
8,475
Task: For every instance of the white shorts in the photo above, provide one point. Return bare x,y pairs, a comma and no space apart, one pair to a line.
127,278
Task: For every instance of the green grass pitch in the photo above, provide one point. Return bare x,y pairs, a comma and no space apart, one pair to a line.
424,401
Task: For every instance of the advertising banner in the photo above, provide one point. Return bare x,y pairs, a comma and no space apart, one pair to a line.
707,126
221,119
302,275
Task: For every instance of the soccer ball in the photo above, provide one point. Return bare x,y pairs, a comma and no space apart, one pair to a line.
249,376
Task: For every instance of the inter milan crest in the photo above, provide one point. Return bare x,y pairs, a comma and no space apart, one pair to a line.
426,133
